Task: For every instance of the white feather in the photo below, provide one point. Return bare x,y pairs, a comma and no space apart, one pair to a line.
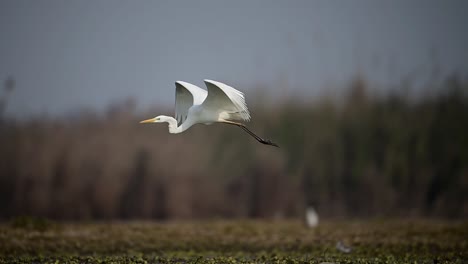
187,95
220,103
224,98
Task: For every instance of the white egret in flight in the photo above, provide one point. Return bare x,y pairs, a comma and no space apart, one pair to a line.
194,105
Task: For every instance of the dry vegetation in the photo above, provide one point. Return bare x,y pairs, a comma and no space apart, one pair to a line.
365,155
409,241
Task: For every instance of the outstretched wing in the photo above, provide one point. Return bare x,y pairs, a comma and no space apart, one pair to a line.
224,98
187,95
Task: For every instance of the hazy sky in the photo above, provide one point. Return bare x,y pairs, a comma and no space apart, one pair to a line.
67,55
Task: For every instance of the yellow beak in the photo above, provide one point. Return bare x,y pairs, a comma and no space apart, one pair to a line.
151,120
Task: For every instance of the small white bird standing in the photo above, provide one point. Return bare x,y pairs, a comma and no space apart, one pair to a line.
311,217
194,105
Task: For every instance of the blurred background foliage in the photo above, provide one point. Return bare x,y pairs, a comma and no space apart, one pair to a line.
359,154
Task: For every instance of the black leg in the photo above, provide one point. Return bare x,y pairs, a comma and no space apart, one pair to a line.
259,139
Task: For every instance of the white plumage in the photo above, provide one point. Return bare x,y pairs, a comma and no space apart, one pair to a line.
219,103
187,95
222,97
311,217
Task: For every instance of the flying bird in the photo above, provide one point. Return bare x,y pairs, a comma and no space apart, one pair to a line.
219,103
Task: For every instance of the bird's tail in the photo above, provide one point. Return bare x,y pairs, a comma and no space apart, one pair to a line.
238,115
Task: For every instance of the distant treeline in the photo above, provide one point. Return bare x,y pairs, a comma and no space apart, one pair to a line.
359,155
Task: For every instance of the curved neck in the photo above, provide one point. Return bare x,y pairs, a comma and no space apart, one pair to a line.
173,128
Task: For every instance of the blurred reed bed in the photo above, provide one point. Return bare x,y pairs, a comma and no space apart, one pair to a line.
356,155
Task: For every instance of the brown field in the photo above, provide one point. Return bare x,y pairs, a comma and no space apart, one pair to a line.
286,241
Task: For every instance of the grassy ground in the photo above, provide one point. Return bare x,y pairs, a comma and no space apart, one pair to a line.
26,240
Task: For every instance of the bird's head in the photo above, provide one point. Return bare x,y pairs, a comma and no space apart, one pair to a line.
158,119
161,119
